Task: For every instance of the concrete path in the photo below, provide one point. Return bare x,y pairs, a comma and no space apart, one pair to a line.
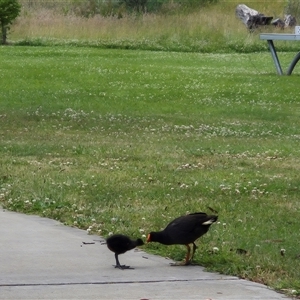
42,259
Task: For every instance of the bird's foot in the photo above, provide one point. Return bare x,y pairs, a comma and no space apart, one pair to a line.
184,263
123,267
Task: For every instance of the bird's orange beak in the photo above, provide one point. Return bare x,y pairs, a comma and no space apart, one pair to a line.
148,238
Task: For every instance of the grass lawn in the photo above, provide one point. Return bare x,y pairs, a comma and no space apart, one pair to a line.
123,141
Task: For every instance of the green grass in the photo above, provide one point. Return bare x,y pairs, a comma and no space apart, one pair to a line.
124,141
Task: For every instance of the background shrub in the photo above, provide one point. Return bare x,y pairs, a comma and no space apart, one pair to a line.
89,8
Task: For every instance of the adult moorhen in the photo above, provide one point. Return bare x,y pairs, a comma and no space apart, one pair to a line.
184,231
119,244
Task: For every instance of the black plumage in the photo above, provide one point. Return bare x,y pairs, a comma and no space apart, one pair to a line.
184,230
119,244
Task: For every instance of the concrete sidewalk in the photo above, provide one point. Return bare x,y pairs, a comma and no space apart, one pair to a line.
42,259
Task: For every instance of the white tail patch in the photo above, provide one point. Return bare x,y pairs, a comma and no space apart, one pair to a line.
209,222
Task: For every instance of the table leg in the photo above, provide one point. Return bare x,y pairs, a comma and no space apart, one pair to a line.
293,64
275,57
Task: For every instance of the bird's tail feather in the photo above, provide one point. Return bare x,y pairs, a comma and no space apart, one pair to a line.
212,219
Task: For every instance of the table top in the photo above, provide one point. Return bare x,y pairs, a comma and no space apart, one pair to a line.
280,36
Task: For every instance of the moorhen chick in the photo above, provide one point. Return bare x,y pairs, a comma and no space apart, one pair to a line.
184,231
119,244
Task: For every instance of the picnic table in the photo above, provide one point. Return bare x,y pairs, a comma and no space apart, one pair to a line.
270,37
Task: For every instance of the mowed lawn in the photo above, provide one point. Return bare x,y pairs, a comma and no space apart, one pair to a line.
122,141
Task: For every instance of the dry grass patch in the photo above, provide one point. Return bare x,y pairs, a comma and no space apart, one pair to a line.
212,28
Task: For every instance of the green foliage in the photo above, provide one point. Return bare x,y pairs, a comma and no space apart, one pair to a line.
192,4
9,10
164,6
90,8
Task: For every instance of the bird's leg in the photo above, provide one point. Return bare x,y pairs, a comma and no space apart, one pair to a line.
188,255
194,249
187,258
119,266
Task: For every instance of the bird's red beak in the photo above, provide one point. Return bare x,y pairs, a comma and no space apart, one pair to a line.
148,238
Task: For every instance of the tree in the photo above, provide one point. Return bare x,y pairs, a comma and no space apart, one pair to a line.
9,10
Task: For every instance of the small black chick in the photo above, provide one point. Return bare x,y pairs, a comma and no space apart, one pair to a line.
119,244
184,231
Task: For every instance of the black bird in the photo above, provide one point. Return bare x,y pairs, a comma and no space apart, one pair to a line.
184,231
119,244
